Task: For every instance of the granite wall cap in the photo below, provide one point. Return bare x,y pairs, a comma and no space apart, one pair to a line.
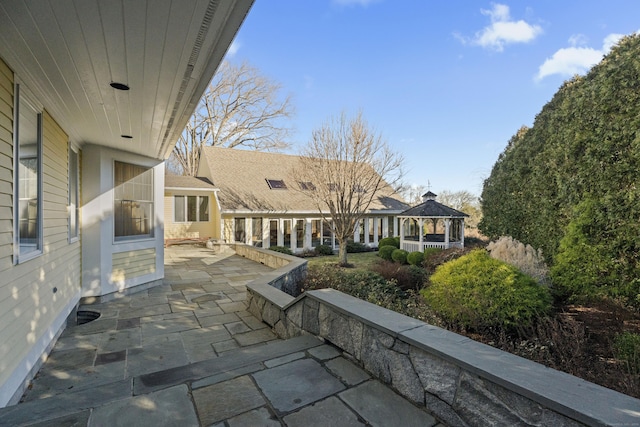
388,321
566,394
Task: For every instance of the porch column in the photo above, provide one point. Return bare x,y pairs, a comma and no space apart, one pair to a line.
385,227
462,232
421,234
365,230
376,238
248,231
265,232
307,234
280,232
447,225
401,222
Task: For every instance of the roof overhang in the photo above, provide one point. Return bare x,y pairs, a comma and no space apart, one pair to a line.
69,52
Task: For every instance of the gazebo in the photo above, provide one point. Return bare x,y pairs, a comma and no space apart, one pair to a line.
431,225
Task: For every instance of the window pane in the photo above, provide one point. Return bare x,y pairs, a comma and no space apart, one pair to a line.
204,208
300,232
370,222
73,194
133,200
29,227
327,234
256,232
178,208
315,232
192,208
240,234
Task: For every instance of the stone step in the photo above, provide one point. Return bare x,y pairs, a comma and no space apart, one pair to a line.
230,364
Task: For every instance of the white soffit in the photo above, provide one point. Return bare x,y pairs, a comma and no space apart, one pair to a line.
69,51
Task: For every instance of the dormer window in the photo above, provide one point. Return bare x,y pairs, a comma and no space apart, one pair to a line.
276,184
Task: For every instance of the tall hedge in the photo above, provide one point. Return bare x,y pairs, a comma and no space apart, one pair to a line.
583,150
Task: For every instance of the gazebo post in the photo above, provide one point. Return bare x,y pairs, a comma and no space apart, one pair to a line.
401,224
421,238
447,225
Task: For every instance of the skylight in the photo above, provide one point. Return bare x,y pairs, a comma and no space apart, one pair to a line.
276,184
307,185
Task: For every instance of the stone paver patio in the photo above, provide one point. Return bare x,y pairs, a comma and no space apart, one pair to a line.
187,353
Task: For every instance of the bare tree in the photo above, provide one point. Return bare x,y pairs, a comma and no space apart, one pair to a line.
343,167
240,107
412,193
466,202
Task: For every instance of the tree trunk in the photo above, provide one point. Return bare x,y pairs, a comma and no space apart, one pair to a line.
342,254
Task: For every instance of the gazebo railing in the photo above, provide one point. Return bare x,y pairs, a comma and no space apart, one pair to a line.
416,246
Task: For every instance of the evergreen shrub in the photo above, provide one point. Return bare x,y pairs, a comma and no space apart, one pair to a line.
324,250
281,249
389,241
415,258
385,252
478,291
627,348
399,256
356,247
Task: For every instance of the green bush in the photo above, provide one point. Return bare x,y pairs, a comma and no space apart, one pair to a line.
399,256
389,241
415,258
405,276
324,250
385,252
281,249
627,347
478,291
366,285
428,252
356,247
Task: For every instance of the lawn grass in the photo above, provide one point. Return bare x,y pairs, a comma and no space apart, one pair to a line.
360,261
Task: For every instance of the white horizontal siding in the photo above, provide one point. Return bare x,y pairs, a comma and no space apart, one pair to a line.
29,307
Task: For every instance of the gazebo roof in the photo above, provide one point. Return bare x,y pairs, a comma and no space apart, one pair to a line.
432,209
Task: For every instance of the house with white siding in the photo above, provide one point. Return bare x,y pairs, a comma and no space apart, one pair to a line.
93,96
253,199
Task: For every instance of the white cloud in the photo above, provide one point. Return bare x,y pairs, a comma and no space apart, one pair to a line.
573,60
503,30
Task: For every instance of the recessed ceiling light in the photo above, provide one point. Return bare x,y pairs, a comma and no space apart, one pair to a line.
127,136
119,86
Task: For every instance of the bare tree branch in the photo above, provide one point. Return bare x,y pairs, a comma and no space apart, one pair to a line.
239,108
349,164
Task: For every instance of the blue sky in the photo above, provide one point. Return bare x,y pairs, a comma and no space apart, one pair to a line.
447,83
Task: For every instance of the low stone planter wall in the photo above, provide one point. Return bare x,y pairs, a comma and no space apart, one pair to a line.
289,270
461,381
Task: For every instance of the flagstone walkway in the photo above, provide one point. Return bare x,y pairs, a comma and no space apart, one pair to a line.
188,353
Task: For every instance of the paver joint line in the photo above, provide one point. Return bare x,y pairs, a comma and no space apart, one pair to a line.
174,344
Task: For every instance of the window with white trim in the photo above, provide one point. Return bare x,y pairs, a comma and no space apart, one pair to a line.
27,177
133,201
74,195
190,208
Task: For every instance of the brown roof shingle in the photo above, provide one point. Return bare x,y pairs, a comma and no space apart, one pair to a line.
178,181
241,176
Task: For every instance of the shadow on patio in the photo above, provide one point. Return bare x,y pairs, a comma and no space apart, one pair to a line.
189,353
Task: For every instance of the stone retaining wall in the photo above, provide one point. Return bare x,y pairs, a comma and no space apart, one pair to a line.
288,272
461,381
